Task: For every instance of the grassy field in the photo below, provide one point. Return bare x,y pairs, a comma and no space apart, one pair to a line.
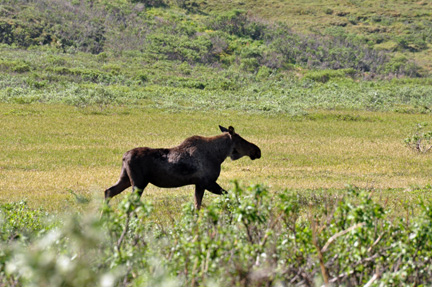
54,154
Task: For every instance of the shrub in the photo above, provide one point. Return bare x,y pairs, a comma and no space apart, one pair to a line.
263,73
173,35
180,47
151,3
400,66
142,78
22,68
324,76
15,66
236,22
19,222
421,139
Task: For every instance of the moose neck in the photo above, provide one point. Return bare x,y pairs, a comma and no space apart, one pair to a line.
223,146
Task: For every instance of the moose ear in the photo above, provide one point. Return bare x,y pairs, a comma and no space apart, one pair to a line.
231,130
223,129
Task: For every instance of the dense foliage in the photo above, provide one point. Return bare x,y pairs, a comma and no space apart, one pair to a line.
248,238
171,55
85,80
227,39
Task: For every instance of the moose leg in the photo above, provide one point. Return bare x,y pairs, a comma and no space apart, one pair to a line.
139,189
215,188
199,193
138,181
121,185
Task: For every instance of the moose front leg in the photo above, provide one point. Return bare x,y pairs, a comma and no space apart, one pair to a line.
199,193
215,188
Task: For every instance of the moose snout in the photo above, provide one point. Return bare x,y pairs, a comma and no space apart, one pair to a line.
256,154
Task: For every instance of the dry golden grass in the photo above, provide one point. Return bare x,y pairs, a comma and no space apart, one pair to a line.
49,152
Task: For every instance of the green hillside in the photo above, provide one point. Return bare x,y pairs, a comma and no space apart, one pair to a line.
262,56
397,26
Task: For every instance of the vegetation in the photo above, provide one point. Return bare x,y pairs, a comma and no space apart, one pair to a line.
421,140
399,27
139,53
328,89
85,80
250,237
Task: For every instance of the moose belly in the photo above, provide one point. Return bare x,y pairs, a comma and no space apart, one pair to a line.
172,181
175,175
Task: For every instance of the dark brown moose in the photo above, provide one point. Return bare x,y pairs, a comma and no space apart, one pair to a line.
195,161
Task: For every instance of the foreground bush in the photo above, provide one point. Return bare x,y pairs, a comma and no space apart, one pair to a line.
249,237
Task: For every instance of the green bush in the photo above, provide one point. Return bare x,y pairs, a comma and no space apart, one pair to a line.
92,95
19,222
402,66
421,139
180,47
15,66
324,76
247,66
249,237
236,22
263,73
22,68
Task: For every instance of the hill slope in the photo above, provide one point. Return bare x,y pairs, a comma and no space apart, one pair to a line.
397,26
357,29
194,55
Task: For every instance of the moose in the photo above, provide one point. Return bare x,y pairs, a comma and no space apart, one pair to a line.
197,161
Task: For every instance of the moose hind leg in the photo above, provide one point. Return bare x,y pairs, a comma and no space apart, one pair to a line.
215,188
199,193
121,185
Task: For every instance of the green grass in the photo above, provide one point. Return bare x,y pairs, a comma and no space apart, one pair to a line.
82,80
51,152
